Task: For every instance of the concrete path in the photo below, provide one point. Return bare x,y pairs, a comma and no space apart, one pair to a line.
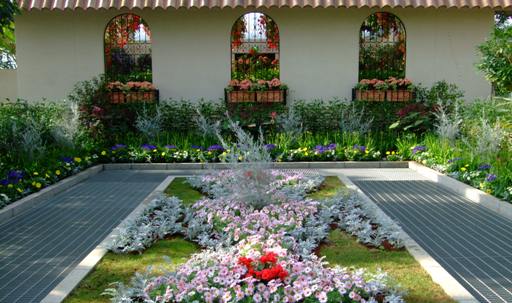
39,247
472,243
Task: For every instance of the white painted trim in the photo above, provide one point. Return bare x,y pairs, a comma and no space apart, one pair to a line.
32,200
66,286
469,192
439,275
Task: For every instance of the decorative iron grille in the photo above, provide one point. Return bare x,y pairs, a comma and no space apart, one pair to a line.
128,49
382,47
254,48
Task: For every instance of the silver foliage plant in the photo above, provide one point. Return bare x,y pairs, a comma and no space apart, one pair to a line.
250,162
206,128
149,124
447,125
355,119
66,129
489,140
290,123
162,217
30,138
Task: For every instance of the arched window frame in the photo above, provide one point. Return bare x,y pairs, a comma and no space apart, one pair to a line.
146,40
383,75
272,47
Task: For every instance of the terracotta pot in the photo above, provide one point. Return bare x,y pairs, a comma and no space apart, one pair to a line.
118,97
370,95
401,95
238,96
270,96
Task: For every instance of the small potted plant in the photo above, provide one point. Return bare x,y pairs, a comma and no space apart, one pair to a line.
399,90
271,91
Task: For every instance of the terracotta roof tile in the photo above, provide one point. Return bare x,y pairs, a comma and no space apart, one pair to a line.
118,4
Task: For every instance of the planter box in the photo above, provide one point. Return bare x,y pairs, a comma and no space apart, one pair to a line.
369,95
117,97
399,95
271,96
237,96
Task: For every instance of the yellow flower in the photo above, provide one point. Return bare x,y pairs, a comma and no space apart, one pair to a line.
38,185
306,153
34,183
393,153
19,190
154,150
10,185
387,153
462,169
240,158
36,173
366,152
57,172
103,153
77,160
163,154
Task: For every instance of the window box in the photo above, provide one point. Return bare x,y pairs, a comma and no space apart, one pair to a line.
369,95
400,95
271,96
117,97
267,96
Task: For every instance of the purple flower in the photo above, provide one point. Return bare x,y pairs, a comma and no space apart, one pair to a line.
361,148
148,147
484,166
14,176
454,159
269,146
490,177
331,146
170,146
197,147
117,146
418,148
215,147
4,182
67,160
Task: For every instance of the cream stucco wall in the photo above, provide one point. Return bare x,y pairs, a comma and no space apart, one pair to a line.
191,55
8,84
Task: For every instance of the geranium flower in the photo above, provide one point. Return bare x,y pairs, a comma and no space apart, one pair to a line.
245,84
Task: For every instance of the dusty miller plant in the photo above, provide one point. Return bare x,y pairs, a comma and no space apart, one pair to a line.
290,123
205,127
355,119
489,139
149,124
447,126
31,141
251,162
66,129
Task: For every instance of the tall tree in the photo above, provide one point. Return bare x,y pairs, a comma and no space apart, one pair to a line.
8,9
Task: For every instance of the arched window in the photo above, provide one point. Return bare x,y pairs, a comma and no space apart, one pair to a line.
128,49
254,48
382,47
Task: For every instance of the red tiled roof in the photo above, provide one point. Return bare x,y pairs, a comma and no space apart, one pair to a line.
118,4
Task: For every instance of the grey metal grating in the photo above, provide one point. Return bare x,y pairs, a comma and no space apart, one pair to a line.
469,241
41,246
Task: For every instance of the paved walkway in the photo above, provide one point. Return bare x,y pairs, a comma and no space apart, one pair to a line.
41,246
469,241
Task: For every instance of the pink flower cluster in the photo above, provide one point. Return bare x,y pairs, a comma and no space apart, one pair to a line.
131,86
247,84
219,276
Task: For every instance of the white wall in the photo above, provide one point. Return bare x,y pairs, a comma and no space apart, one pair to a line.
319,49
8,84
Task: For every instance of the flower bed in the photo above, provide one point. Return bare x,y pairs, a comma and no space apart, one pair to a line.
259,254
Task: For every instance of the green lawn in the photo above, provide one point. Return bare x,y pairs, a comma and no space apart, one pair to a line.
340,249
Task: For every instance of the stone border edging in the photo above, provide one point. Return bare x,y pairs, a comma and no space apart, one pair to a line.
469,192
439,275
283,165
31,200
66,286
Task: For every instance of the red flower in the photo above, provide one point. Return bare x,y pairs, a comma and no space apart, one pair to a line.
270,257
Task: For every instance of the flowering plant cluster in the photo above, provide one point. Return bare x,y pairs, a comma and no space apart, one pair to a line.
17,184
390,83
259,85
332,152
224,275
133,86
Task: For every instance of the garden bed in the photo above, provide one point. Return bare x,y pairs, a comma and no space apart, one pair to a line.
339,249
